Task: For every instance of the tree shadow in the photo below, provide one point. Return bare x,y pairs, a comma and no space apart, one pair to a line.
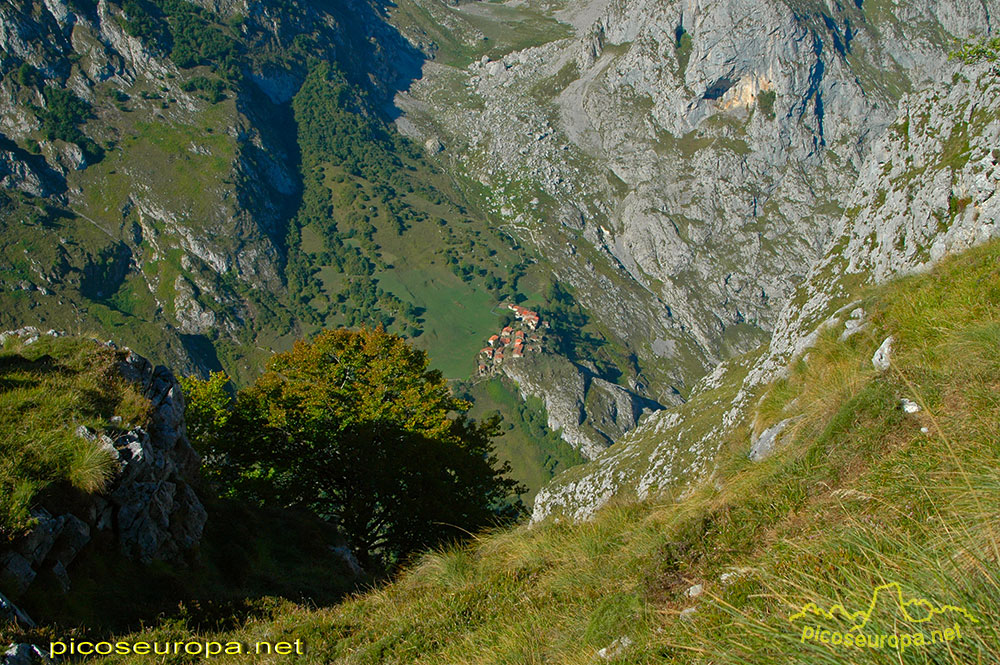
15,364
202,351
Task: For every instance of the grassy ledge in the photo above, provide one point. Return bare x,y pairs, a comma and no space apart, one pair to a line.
48,390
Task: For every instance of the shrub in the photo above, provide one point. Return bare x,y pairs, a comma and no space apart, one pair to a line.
63,114
28,76
214,89
975,50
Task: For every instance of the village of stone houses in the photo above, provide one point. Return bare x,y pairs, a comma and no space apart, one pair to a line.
525,335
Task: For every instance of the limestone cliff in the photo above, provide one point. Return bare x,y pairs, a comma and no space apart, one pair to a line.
591,412
683,164
927,188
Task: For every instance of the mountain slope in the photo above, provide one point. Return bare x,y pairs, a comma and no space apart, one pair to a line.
168,180
862,492
160,183
680,164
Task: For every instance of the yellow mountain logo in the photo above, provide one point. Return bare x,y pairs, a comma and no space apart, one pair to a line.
914,610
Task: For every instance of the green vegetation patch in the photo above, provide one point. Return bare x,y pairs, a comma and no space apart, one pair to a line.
189,34
683,47
175,160
62,117
976,50
535,452
956,150
765,102
382,236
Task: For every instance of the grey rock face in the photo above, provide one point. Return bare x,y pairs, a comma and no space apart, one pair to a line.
16,573
591,413
912,204
159,516
349,559
10,612
704,147
764,444
883,354
854,324
192,316
27,175
24,654
51,546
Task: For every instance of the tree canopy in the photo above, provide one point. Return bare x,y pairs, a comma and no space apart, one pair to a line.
356,427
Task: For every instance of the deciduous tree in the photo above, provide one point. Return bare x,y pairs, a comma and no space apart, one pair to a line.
355,426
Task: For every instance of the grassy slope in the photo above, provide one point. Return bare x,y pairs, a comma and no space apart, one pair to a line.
498,29
456,313
857,496
180,160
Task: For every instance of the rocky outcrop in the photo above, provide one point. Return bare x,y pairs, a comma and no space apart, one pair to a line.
24,654
765,443
151,508
50,546
11,613
590,412
27,173
153,505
